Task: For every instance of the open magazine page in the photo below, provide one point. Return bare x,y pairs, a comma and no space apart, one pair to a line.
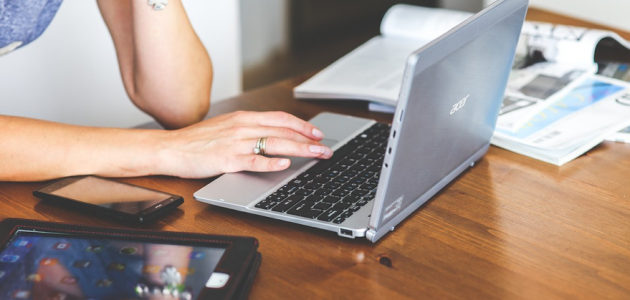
598,105
374,70
532,89
422,23
566,44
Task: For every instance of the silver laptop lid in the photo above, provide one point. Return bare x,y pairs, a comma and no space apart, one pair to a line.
447,110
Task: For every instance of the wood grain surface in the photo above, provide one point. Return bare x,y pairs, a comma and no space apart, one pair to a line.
509,228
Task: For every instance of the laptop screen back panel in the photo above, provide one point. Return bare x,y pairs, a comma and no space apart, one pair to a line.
447,110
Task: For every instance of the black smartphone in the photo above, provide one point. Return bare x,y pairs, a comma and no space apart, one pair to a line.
111,198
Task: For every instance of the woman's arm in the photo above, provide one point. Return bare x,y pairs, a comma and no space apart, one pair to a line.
32,150
165,69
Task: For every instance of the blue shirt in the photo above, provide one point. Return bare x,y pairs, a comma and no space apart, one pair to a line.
22,21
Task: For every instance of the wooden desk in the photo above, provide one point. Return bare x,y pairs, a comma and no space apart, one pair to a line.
509,228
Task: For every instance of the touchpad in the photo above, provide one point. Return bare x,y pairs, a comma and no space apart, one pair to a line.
329,143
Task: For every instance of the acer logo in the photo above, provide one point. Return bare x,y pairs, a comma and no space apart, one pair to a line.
459,104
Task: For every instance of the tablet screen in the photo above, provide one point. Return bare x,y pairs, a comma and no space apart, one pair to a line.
54,266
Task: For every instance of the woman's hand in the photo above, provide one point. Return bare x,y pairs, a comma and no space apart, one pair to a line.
226,143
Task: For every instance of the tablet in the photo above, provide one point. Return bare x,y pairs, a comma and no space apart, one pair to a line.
45,260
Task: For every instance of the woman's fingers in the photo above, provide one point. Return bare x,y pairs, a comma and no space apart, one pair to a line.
249,161
255,131
285,147
282,120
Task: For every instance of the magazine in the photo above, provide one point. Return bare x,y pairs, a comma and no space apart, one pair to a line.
374,70
572,124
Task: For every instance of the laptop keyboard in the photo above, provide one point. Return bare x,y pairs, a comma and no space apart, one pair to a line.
333,189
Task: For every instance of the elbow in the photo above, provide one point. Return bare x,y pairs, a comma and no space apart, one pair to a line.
174,113
179,116
176,106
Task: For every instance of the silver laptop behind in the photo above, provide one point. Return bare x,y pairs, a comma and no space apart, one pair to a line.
447,110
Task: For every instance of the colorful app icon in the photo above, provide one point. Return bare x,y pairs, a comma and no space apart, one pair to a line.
69,280
61,246
22,243
48,262
19,294
128,250
151,269
117,267
196,255
104,283
81,263
35,277
187,271
94,248
9,258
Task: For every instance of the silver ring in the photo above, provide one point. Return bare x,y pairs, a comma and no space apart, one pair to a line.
261,146
158,4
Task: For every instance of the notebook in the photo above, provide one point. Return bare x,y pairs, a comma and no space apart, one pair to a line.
446,113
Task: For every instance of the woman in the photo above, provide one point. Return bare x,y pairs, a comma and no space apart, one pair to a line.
167,73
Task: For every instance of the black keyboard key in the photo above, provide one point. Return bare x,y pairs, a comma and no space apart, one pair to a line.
276,197
342,205
284,205
355,156
266,204
300,208
332,185
322,206
375,168
359,167
302,192
351,199
312,186
312,213
295,198
331,199
359,193
288,189
339,220
361,202
321,180
340,193
330,173
341,179
354,208
364,150
339,167
350,173
350,186
368,186
308,176
346,214
297,182
314,198
322,191
330,214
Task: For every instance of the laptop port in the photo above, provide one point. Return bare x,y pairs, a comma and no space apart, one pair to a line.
345,232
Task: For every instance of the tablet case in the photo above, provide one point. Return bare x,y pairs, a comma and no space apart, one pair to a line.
242,271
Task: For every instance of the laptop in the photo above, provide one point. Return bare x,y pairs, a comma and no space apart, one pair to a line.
380,173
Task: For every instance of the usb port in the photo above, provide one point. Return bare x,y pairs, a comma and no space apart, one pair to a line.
345,232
